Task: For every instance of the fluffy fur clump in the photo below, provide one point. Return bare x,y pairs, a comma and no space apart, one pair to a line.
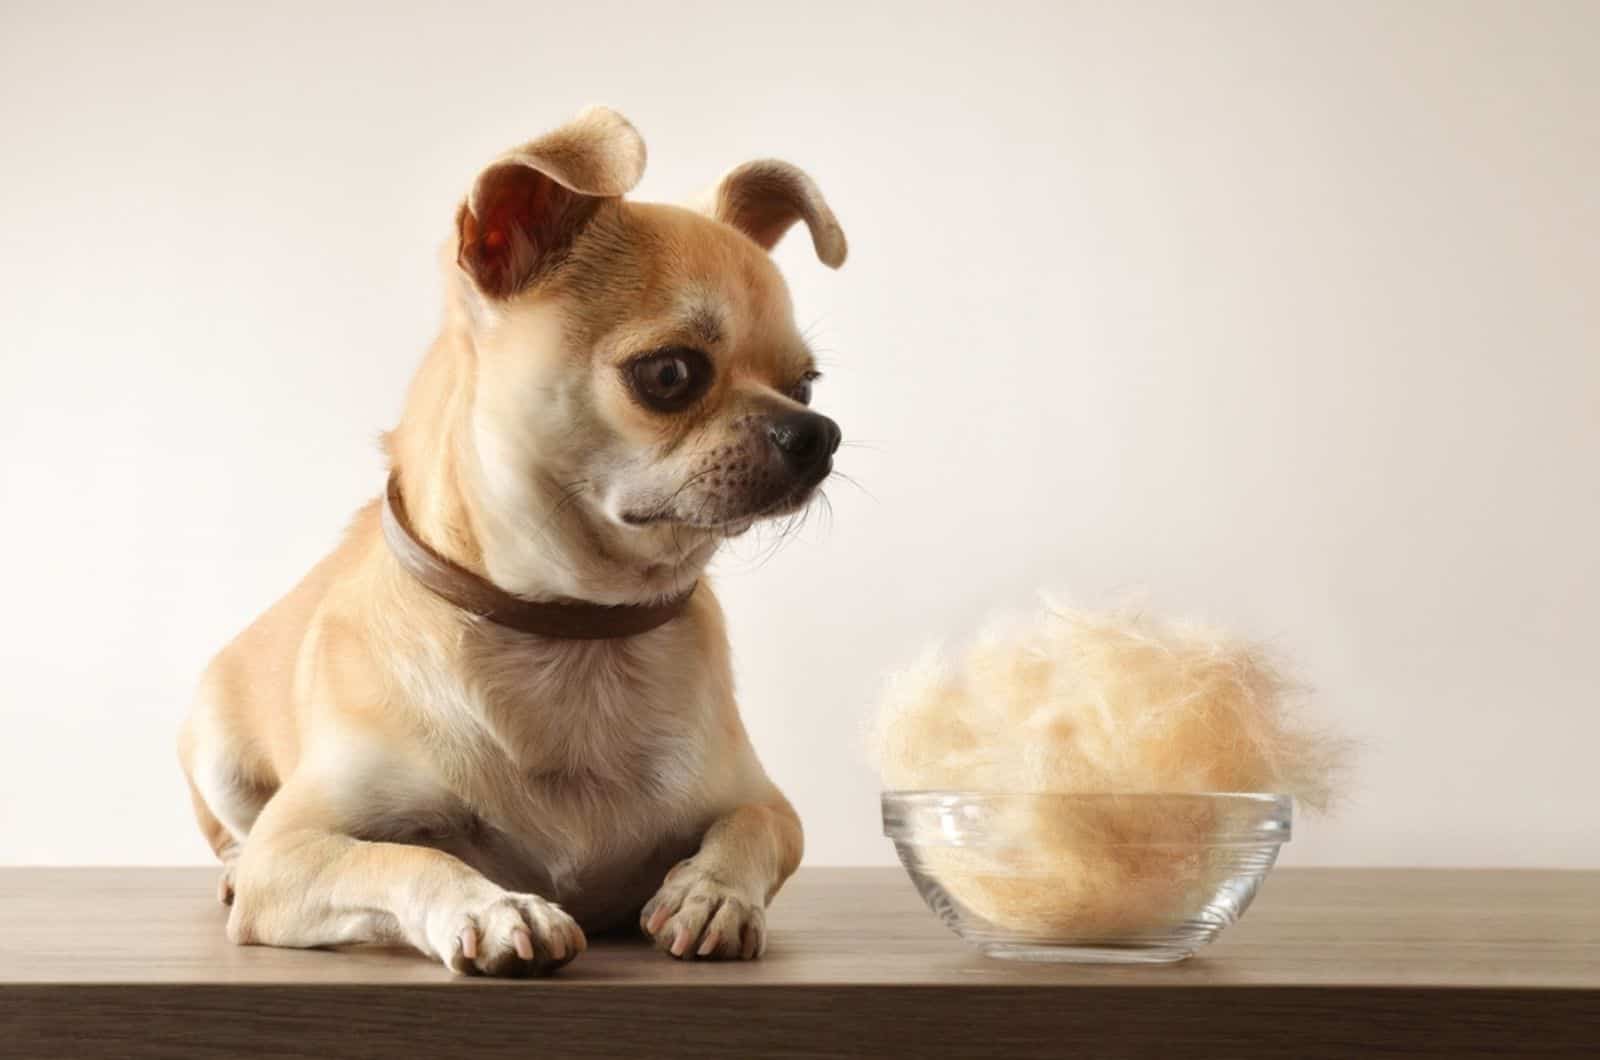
1097,703
1100,702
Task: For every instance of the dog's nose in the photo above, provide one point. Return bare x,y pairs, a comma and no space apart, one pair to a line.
805,439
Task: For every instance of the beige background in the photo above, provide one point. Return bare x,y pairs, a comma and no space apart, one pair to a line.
1282,315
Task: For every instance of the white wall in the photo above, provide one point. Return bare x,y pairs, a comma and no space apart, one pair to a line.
1281,314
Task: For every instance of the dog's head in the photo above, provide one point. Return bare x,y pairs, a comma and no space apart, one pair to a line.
640,359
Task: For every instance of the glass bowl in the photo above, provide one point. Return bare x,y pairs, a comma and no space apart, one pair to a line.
1147,878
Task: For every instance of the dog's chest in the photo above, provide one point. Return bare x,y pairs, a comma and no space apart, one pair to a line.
578,717
582,765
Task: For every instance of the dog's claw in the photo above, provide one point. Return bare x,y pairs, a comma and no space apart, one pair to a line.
508,934
695,915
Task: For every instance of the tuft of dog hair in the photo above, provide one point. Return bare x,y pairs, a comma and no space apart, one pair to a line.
1115,703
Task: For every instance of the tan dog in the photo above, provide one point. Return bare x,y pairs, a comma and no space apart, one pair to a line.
617,388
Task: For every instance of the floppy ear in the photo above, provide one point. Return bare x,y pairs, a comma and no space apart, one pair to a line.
764,198
529,204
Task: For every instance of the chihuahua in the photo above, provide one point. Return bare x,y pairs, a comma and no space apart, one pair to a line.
500,714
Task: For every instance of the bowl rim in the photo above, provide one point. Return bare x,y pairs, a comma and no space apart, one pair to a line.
979,793
1266,817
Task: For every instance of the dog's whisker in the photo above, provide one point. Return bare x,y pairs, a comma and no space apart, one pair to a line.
851,480
567,496
827,507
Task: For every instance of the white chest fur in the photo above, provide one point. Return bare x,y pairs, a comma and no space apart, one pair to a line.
573,764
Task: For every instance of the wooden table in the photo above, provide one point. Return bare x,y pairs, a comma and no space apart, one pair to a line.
133,963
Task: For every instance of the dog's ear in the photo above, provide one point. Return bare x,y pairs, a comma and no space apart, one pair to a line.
529,204
764,198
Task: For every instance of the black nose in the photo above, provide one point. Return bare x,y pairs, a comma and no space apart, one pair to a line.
805,439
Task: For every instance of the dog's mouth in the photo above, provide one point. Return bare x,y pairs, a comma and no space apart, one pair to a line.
798,496
791,500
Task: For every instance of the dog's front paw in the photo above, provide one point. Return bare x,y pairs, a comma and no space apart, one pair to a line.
503,933
695,914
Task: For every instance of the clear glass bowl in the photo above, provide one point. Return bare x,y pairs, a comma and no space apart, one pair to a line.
1147,878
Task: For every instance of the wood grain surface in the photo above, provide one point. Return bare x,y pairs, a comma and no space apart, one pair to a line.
133,962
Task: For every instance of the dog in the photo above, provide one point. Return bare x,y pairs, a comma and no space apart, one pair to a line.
500,715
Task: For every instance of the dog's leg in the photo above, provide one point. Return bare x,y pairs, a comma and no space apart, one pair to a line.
714,904
234,798
302,883
223,844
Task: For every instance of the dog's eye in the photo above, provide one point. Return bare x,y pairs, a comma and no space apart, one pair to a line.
801,391
669,380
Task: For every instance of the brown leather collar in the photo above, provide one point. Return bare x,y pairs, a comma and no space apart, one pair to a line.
567,619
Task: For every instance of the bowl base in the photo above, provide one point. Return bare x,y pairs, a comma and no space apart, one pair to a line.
1088,952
